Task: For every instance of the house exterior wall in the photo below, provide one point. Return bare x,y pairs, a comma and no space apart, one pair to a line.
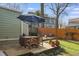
50,22
74,23
10,26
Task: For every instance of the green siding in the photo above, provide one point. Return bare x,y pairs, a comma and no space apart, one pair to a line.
9,24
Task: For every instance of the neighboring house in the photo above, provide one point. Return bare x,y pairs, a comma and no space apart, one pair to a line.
74,23
10,25
49,22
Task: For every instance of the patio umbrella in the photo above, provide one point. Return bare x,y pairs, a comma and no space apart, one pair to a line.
31,18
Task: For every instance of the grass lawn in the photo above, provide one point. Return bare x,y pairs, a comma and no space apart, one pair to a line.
70,47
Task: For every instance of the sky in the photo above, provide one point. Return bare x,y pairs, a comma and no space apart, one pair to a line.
33,7
73,11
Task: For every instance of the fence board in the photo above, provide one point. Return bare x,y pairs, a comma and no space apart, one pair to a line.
61,33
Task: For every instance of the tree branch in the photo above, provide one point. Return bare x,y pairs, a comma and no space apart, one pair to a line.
53,9
64,8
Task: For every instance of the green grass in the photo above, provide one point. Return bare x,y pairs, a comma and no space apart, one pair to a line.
70,47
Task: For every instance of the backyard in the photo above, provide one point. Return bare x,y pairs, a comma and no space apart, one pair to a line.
71,47
68,48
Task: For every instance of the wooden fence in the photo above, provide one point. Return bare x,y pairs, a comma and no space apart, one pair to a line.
61,33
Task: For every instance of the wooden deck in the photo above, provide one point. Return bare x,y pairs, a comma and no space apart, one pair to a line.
18,50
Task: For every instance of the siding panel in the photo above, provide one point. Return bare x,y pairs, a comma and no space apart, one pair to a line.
9,24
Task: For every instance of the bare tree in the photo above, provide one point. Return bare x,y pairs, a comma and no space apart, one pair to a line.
58,9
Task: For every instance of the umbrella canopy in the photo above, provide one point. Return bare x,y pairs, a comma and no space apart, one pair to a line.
31,18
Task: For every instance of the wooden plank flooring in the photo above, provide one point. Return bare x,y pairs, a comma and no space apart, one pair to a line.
21,50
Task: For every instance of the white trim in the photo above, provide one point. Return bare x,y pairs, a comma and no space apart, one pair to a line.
9,39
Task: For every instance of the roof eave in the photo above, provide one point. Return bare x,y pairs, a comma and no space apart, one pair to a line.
10,9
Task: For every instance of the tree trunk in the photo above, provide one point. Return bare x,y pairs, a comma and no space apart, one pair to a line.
57,25
42,12
42,9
